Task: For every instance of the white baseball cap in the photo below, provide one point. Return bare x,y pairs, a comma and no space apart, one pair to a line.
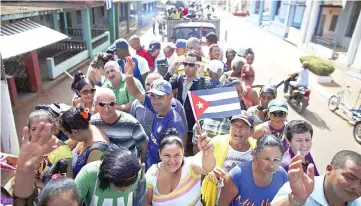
216,66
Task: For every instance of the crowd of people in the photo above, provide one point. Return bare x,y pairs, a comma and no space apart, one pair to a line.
130,138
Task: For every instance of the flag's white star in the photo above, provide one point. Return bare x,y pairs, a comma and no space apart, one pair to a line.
200,105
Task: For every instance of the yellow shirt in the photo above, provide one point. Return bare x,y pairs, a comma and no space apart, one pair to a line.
61,152
221,146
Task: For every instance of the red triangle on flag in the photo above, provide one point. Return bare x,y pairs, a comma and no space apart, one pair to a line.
199,105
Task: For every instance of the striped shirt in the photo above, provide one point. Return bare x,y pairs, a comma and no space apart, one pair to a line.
126,131
187,193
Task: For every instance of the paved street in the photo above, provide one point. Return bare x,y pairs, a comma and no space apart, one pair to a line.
273,57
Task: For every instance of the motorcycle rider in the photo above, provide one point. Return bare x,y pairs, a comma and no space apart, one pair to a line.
298,79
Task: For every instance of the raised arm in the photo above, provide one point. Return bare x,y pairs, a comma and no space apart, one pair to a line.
32,150
129,79
204,162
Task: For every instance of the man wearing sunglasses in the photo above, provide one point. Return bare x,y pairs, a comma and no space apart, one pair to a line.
278,110
121,128
116,82
159,101
190,81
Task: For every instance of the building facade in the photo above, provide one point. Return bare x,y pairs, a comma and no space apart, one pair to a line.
332,28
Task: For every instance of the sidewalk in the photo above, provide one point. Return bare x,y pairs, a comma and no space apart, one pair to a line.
288,54
57,90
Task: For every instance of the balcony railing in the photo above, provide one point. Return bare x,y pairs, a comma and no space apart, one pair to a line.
79,32
75,32
99,41
69,49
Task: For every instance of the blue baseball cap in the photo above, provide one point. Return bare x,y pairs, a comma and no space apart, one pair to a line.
160,87
181,43
154,45
245,116
119,43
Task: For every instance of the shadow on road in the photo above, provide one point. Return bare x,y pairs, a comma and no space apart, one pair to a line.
315,119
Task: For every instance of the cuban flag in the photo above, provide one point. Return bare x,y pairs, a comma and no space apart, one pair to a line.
109,4
215,103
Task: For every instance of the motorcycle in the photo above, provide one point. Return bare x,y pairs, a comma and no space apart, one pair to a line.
299,97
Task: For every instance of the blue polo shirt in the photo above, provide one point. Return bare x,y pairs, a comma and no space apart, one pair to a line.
160,125
136,72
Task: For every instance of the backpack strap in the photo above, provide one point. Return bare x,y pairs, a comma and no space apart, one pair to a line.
99,146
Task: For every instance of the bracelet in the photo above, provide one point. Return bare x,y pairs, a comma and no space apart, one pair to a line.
295,202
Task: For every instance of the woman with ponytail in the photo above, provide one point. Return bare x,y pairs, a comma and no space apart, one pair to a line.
91,141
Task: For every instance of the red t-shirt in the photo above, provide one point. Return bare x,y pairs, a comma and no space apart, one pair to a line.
147,56
185,12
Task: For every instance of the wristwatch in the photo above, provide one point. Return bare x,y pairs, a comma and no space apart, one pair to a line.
295,202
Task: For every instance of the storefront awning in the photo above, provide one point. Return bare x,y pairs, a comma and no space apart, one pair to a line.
24,36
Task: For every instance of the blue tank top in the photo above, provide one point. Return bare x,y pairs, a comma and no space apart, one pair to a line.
80,160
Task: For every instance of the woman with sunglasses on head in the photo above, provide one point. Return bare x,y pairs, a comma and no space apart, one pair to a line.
266,94
278,110
91,142
117,179
85,94
96,69
176,180
58,191
256,182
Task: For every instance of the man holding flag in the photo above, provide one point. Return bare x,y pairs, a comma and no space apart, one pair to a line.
189,81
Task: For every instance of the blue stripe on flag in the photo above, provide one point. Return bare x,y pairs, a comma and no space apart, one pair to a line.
214,91
220,114
224,102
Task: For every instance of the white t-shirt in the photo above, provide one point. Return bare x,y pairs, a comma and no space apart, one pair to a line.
234,158
142,64
171,60
302,79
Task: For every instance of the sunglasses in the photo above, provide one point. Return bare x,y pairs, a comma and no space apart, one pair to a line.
87,91
279,114
189,64
103,104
